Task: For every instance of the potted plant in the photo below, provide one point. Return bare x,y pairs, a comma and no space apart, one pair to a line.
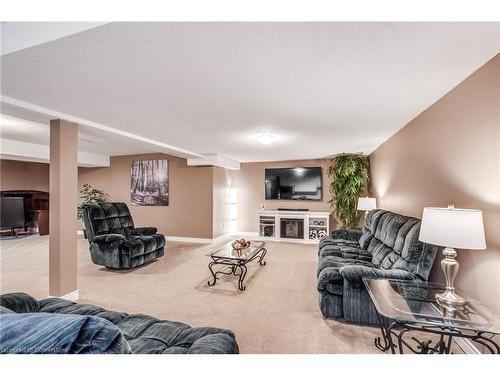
349,181
90,195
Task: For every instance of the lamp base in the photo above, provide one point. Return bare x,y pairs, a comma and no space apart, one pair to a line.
451,299
450,268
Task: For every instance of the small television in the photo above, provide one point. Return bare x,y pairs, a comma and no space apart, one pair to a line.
301,183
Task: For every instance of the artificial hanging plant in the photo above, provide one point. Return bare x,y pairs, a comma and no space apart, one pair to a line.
349,181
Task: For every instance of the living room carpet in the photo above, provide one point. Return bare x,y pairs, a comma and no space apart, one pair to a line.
278,312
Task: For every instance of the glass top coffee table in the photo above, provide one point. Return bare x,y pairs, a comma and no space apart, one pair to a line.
403,306
234,262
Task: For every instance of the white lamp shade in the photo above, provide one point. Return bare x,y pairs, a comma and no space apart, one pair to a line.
453,227
367,204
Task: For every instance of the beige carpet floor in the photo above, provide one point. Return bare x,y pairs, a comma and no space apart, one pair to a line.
278,312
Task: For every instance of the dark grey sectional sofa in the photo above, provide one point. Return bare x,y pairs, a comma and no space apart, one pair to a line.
23,318
114,240
386,247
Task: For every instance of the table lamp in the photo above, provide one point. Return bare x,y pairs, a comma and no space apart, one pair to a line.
367,204
452,228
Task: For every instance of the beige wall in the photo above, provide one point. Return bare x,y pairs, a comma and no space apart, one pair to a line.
450,153
198,195
189,213
20,175
250,183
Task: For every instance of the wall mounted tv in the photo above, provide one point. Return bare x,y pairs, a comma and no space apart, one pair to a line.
301,183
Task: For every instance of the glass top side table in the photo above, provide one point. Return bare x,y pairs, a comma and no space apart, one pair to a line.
403,306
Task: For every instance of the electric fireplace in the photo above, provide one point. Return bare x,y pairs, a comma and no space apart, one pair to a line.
292,228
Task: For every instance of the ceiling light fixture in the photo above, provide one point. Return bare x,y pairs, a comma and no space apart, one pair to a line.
266,138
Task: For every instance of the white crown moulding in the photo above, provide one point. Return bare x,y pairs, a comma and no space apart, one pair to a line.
24,151
214,160
151,143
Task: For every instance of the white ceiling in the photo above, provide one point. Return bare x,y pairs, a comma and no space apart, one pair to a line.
89,140
20,35
213,88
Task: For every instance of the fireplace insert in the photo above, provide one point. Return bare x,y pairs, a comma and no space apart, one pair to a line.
292,228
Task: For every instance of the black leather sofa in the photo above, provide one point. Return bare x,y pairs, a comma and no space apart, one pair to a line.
114,240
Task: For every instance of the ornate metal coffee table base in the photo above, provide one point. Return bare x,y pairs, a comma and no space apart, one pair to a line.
394,338
235,267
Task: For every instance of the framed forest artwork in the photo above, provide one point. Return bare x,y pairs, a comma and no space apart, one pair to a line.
149,183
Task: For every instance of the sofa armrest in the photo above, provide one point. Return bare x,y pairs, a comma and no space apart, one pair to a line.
109,239
328,275
144,231
355,273
19,302
347,234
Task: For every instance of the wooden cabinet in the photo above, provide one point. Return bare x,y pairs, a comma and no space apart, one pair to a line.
36,208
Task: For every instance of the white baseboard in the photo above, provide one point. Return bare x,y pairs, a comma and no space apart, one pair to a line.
255,236
196,239
73,296
247,234
189,239
182,239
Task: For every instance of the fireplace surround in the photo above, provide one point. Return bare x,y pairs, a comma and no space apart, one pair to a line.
293,225
292,228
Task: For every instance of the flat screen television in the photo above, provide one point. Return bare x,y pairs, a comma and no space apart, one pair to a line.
301,183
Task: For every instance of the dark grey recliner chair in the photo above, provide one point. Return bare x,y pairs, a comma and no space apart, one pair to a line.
115,242
387,247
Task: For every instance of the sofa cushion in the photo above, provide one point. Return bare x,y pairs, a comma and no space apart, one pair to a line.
133,247
149,243
160,240
33,333
106,218
63,306
379,251
388,228
326,242
365,239
339,248
98,222
147,334
330,250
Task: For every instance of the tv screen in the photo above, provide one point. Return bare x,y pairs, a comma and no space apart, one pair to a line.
293,183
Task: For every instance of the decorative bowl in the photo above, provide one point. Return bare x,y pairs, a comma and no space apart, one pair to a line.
240,244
